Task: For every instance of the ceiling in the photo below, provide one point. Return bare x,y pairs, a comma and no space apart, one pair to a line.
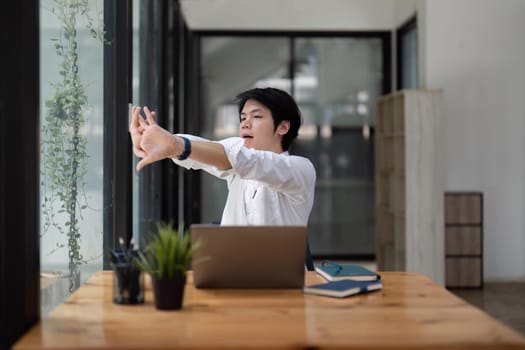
310,15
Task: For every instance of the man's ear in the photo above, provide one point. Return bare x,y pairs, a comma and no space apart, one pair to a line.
283,127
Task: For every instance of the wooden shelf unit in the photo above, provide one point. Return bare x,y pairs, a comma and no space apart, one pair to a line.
409,183
464,239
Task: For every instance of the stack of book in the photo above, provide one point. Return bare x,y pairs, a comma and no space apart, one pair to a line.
344,280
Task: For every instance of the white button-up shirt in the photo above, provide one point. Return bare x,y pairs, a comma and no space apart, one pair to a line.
264,187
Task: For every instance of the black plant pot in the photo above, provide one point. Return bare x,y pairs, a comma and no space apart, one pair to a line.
169,294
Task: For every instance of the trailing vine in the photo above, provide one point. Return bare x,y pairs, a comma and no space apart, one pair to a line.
63,144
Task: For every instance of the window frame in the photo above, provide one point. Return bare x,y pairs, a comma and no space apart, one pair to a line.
19,170
117,190
193,179
410,24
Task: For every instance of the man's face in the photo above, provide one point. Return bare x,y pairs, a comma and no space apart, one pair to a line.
257,128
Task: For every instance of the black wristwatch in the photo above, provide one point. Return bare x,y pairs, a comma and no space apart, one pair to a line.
187,149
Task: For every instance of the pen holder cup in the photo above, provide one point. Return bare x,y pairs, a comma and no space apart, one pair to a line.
128,284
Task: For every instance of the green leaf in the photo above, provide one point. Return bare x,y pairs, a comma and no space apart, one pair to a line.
63,146
170,253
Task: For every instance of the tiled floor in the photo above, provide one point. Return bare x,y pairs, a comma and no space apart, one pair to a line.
503,301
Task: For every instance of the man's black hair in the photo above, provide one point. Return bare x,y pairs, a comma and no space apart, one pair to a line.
282,106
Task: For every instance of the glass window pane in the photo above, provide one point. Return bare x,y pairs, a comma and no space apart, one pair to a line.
71,95
231,65
409,59
336,82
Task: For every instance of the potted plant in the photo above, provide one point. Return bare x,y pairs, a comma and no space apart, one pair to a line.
166,258
63,146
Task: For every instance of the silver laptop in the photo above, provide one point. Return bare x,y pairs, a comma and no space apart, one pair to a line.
249,256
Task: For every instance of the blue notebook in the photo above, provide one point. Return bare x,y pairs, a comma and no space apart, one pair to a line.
332,271
343,288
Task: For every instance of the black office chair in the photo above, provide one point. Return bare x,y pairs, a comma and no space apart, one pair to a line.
309,262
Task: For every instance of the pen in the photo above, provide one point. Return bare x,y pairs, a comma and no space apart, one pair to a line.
254,193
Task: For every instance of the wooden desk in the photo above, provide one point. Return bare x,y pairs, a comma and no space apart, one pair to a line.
411,312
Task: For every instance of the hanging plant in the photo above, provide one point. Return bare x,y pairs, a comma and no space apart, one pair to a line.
63,143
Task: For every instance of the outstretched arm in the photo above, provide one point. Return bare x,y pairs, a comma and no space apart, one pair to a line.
151,143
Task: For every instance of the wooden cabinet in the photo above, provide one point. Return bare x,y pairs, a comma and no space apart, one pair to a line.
464,239
409,183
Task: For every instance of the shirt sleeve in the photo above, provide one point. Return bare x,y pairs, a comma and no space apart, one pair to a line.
282,172
195,165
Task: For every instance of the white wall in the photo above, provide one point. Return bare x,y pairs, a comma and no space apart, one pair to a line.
403,11
475,51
